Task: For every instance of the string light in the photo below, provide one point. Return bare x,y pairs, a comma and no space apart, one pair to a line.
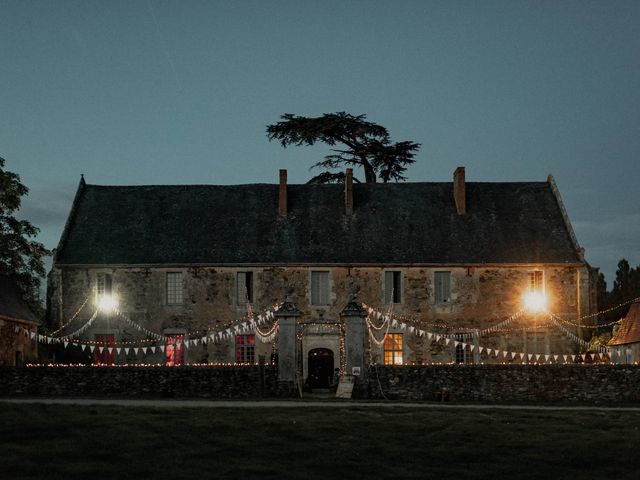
73,317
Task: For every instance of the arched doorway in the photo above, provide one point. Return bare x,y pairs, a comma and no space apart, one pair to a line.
320,364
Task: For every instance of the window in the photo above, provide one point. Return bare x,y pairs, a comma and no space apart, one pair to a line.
461,354
244,288
442,281
174,288
392,287
319,288
174,349
102,354
393,349
536,281
245,348
103,284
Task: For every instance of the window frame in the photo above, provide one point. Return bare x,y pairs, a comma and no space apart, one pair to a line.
394,352
249,287
169,290
245,352
177,350
393,295
437,292
536,281
319,301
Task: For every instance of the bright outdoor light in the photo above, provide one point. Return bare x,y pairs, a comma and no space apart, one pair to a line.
535,301
107,303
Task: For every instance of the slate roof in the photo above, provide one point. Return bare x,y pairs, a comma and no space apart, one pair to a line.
629,330
395,223
11,303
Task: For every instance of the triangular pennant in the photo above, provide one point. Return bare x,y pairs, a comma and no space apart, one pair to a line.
65,344
403,326
92,348
447,340
456,343
118,350
411,329
110,350
482,350
530,356
153,349
144,350
513,355
573,358
489,351
161,347
522,356
135,350
126,350
101,349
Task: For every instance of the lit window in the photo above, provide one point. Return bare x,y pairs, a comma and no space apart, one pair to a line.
536,281
244,288
393,349
174,288
245,348
102,355
392,287
174,349
442,281
319,288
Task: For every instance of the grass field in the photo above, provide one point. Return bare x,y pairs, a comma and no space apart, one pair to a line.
72,442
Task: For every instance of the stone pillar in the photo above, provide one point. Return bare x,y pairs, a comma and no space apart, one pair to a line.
287,316
355,330
476,347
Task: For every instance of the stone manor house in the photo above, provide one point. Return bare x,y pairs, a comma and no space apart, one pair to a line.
449,257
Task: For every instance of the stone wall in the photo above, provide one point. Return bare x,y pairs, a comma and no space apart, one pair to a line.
573,384
16,348
245,382
586,384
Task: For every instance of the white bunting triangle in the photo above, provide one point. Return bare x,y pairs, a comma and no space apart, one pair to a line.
92,348
110,350
100,349
118,350
161,347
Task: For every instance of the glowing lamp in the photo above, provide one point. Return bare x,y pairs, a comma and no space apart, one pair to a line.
107,303
535,302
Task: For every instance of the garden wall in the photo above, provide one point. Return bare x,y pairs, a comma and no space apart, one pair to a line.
586,384
580,384
215,382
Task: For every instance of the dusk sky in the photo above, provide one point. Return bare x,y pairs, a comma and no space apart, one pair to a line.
179,92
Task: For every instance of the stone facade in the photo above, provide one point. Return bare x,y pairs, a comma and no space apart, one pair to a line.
480,296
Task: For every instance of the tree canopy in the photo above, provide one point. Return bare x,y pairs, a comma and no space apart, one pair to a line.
20,257
360,144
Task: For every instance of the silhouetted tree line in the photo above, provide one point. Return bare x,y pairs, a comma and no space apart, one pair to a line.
626,286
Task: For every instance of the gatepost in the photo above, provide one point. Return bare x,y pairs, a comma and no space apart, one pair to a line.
353,316
287,315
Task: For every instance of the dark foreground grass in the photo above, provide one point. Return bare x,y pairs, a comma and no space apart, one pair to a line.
72,442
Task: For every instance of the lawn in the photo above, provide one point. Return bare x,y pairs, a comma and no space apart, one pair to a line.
70,442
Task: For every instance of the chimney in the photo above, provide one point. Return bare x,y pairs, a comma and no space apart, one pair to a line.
459,191
282,200
348,192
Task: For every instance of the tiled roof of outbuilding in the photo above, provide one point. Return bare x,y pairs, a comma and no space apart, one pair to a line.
395,223
629,330
11,303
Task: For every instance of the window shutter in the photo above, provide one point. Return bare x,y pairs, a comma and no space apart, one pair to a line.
324,288
442,282
241,289
388,287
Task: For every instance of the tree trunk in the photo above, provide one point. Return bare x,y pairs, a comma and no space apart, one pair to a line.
369,174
